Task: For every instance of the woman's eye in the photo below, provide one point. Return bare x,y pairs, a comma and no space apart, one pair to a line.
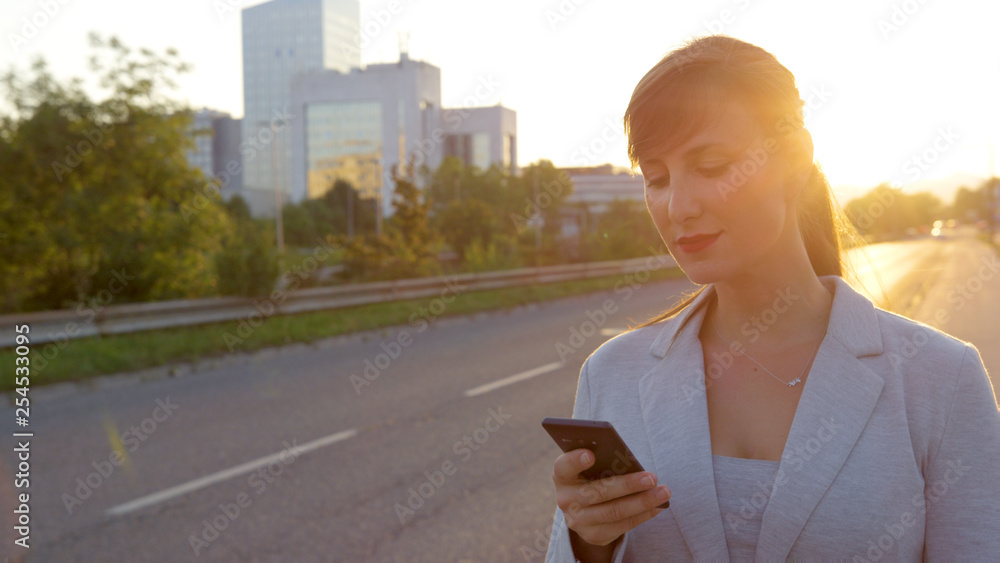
713,171
660,182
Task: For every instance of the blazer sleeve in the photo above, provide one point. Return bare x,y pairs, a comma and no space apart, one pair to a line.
962,483
560,548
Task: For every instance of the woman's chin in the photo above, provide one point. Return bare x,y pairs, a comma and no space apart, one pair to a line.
701,274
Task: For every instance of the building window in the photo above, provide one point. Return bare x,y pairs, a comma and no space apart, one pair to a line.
481,150
344,141
460,146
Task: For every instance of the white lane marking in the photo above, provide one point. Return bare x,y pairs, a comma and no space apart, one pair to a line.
513,379
207,480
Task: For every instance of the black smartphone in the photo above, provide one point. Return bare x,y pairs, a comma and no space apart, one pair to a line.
612,456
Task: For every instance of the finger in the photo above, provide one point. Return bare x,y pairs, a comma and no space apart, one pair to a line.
585,515
569,465
610,488
604,534
609,520
621,509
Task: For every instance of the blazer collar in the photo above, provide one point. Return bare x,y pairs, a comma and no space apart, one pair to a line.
853,321
839,395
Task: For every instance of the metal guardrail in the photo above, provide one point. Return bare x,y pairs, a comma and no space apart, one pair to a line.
64,325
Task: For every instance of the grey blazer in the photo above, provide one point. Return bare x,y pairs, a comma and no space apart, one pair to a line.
893,453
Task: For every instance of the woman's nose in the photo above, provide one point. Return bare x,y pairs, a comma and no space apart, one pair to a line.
683,202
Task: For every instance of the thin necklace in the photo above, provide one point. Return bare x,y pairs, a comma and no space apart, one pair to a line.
788,383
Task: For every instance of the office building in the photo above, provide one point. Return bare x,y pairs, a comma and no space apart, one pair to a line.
361,125
203,132
216,151
482,136
594,187
282,38
226,156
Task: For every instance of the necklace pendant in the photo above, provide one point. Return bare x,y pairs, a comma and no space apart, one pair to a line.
794,381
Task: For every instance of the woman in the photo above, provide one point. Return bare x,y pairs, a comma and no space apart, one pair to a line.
780,411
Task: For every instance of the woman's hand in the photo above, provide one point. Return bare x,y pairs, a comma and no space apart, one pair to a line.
601,511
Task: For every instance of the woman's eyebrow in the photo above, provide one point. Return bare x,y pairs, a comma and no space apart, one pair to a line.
698,150
688,154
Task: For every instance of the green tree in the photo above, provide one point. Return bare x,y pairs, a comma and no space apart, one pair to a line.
345,203
886,213
407,249
545,190
237,208
923,208
99,191
248,263
624,230
500,254
410,217
969,205
463,222
299,224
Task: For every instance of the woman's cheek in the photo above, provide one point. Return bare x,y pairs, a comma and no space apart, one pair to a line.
658,210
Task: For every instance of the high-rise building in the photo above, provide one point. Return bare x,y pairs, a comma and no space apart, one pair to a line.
282,38
217,149
204,133
482,136
359,126
226,158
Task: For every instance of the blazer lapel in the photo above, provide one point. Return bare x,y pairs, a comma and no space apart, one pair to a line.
675,414
837,400
839,396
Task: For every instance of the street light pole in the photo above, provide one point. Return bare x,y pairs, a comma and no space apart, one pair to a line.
538,224
378,212
279,226
350,212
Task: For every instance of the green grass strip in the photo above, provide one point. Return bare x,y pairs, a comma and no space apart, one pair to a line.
77,360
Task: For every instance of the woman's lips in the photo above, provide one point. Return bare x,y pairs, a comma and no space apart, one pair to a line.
697,243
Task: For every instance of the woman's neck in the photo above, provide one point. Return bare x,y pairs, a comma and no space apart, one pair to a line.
771,311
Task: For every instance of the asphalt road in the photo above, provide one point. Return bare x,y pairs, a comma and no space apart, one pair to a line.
294,454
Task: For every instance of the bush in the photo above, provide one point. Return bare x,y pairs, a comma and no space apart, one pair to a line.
248,263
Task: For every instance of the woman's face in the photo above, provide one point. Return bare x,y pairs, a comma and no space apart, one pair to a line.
719,199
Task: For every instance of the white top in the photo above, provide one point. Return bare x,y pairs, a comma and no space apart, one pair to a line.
744,489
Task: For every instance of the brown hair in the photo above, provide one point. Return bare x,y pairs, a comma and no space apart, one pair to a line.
673,101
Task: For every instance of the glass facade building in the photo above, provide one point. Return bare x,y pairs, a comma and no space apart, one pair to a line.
344,141
216,149
362,125
281,39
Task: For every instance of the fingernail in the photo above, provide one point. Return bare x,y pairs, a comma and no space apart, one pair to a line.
647,481
585,457
663,493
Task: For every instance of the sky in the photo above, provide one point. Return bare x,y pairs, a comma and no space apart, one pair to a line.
899,91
